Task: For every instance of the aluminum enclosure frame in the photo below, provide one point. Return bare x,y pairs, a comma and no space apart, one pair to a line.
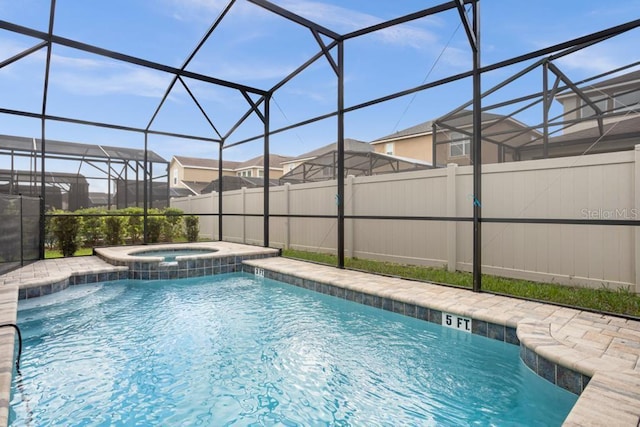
260,107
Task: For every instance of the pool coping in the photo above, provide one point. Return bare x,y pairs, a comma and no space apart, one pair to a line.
592,355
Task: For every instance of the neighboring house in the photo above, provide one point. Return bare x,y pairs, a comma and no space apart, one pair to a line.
254,168
617,98
610,121
359,160
453,135
230,183
349,145
195,174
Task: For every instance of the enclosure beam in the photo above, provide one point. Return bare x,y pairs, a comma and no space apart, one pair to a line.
22,54
404,19
188,60
295,18
85,47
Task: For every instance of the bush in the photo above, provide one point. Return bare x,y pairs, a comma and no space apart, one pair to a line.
172,223
66,229
192,227
50,239
154,226
134,223
114,227
93,227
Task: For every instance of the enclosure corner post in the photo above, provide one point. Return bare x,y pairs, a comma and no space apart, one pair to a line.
477,153
340,171
267,100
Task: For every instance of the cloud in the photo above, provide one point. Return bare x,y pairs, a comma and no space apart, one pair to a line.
346,20
206,10
96,77
594,60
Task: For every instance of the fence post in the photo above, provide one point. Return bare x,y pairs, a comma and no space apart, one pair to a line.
243,209
452,226
349,239
636,204
287,220
214,223
21,232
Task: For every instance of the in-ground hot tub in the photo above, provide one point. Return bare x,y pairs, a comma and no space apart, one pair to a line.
171,255
182,260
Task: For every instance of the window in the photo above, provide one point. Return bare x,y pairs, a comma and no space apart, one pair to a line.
460,145
587,111
175,176
626,101
388,148
261,173
244,173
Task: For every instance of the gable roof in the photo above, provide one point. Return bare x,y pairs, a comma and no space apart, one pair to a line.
197,162
274,161
625,78
462,119
349,145
230,183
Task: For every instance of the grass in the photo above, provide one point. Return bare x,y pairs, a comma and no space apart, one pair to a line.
620,301
54,253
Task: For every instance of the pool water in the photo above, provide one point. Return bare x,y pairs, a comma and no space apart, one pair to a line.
171,254
235,349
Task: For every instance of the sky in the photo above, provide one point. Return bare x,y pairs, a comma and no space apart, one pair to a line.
256,48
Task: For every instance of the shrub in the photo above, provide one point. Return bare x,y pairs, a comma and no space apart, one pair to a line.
154,226
93,227
172,223
192,227
134,223
50,239
114,227
66,229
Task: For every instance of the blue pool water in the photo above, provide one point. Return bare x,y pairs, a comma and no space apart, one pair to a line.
171,254
239,350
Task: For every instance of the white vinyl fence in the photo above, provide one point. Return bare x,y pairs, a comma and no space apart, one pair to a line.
599,186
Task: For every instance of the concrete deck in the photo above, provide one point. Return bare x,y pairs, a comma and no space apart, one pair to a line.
605,348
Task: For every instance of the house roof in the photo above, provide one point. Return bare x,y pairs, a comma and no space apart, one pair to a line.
622,129
274,161
197,162
230,183
461,119
195,186
625,78
349,145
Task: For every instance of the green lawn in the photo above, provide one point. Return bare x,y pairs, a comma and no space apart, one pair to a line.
603,299
54,253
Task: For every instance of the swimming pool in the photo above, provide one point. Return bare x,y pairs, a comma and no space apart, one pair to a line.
238,349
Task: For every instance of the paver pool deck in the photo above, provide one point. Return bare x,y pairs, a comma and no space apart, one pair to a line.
604,348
